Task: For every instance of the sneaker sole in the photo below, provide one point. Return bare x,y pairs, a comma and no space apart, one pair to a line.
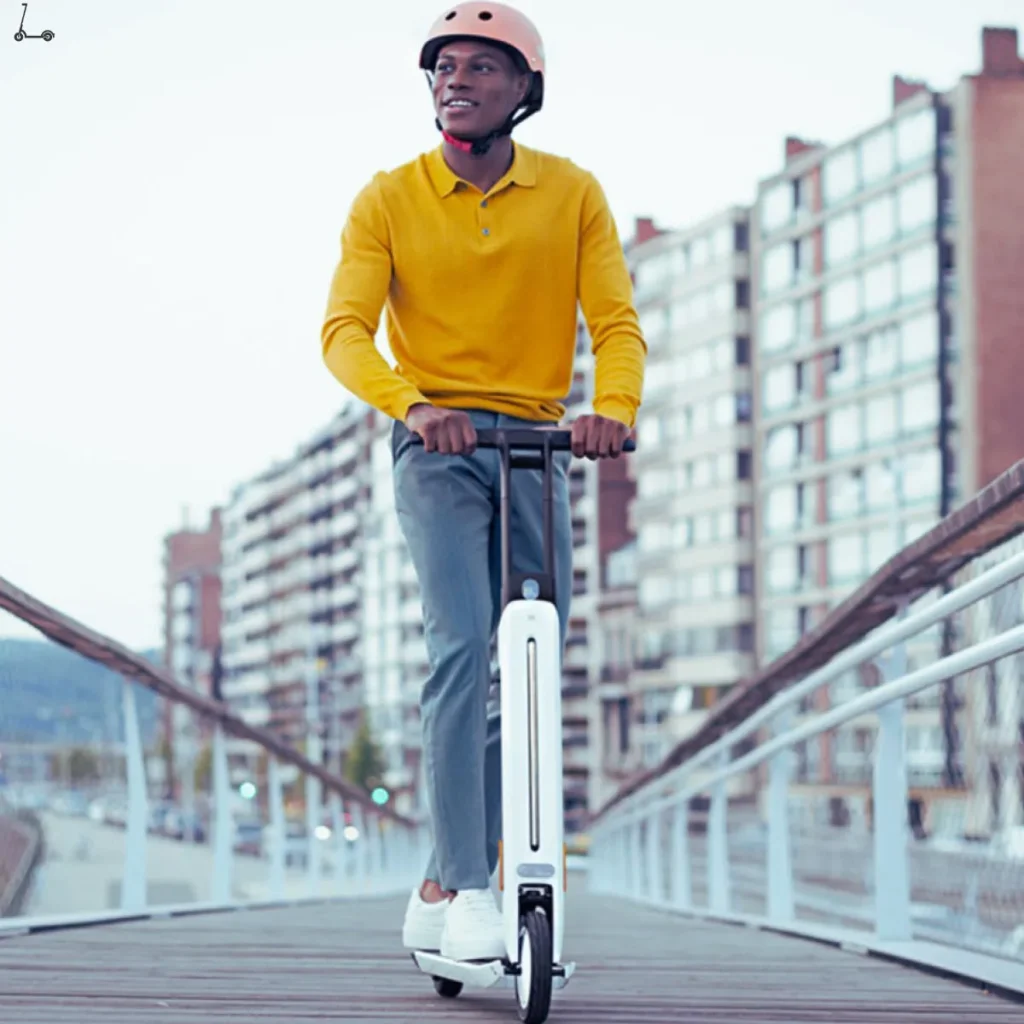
473,950
426,939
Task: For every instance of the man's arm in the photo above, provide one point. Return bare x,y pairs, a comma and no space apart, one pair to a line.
606,296
358,290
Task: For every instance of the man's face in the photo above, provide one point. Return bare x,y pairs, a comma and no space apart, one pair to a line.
476,87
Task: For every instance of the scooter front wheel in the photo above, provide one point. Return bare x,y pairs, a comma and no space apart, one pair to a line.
533,983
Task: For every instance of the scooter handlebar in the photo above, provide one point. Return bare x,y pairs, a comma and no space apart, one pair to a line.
558,439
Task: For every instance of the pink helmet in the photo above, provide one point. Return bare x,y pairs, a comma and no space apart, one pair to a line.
494,23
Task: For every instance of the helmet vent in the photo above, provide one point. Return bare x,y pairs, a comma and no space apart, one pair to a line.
485,15
450,15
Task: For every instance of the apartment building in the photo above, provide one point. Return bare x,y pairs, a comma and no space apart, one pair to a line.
192,640
692,513
292,564
889,304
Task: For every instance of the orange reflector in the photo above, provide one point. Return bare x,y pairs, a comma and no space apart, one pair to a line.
501,866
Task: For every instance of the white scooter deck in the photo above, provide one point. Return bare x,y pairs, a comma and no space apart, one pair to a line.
484,973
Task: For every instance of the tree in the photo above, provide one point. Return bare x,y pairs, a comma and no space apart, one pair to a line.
203,769
365,766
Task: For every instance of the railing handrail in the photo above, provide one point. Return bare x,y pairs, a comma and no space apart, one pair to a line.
104,650
1011,641
888,636
984,522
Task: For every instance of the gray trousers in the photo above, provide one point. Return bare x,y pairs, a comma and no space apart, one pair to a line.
448,510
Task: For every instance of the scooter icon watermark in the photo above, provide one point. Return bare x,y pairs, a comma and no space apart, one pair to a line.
22,34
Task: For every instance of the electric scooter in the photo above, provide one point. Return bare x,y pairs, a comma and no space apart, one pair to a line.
21,34
532,871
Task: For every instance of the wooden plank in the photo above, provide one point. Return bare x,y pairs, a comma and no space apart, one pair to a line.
345,962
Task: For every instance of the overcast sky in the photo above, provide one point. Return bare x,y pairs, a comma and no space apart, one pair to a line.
175,175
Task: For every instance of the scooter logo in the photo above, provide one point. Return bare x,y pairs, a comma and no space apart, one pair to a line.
22,34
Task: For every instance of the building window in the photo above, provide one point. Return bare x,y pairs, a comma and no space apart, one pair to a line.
919,339
845,495
915,137
843,369
781,574
778,328
654,323
722,352
839,176
878,222
778,268
744,522
880,419
700,252
655,591
842,239
842,302
919,407
921,477
744,465
846,558
743,407
919,272
723,241
843,430
779,388
781,509
777,206
742,351
880,287
917,202
877,156
880,354
781,447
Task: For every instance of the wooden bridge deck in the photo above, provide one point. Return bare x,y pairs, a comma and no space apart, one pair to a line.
343,961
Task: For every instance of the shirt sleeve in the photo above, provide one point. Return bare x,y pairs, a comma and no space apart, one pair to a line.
606,298
358,291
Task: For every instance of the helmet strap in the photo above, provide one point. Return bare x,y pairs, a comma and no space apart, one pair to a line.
482,145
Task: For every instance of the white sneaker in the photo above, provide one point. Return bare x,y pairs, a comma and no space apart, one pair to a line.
474,928
424,923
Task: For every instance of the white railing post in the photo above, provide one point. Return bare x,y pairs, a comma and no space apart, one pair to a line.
655,884
359,858
223,837
718,843
278,829
780,869
313,813
636,861
340,842
133,885
889,792
682,890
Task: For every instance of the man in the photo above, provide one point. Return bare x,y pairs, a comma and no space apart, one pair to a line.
480,251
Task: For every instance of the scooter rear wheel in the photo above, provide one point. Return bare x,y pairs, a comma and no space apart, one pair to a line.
533,983
446,987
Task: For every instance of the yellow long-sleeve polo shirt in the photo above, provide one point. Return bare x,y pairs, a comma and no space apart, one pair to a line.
482,290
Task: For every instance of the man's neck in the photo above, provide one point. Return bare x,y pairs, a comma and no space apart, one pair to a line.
483,171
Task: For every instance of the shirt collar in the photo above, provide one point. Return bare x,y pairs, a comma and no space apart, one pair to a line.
523,172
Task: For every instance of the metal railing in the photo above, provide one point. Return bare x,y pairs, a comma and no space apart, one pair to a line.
232,815
918,844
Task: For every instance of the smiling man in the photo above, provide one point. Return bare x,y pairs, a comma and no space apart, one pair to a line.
481,251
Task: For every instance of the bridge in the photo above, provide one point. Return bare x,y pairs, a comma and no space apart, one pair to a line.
793,860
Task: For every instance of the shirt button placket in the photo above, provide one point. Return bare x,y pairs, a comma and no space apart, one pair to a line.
485,228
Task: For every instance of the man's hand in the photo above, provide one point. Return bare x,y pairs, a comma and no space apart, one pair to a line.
598,437
448,431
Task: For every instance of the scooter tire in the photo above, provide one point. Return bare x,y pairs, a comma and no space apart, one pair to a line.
533,983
